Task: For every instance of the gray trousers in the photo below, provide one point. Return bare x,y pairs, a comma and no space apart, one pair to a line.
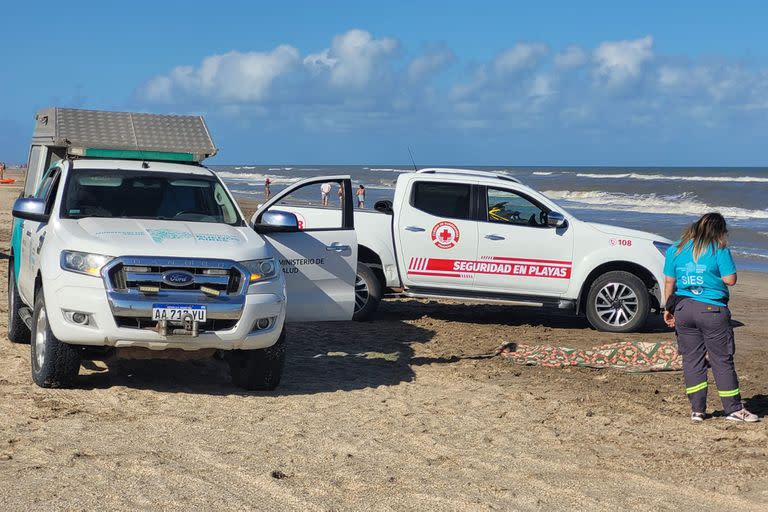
705,339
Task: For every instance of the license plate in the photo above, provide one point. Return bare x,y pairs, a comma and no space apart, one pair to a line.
177,312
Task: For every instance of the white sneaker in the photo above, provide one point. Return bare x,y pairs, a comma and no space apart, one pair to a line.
744,416
698,417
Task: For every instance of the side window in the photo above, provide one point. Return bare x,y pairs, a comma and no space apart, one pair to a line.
51,198
326,199
46,188
45,185
508,207
34,164
450,200
225,205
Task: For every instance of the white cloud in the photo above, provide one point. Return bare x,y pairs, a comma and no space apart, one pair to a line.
542,86
571,57
159,89
353,59
356,83
522,56
434,61
232,76
619,62
318,62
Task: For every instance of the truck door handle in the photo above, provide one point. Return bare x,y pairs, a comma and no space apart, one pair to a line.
414,229
337,247
491,236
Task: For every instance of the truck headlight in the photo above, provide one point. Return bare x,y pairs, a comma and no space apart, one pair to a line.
261,270
83,262
662,247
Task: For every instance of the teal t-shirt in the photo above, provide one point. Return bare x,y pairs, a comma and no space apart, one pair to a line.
701,280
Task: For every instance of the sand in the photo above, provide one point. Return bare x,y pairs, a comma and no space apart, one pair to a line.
408,412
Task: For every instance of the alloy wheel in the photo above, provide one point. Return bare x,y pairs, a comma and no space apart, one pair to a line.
41,337
362,293
616,304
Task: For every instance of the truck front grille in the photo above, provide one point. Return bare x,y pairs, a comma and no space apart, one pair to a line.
135,284
212,281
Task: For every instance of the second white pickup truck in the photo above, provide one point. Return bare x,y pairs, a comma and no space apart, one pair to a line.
475,236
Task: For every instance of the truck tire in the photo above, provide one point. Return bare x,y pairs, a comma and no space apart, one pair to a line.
54,364
618,302
18,332
258,370
368,292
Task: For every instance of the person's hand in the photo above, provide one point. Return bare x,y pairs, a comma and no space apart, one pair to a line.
669,319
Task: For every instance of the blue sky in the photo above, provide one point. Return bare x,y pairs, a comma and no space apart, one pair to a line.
505,83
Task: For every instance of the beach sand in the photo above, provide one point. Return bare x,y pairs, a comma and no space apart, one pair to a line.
408,412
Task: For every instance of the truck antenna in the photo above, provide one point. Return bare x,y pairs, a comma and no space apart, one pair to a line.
412,160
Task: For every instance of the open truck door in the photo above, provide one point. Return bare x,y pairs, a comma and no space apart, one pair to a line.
319,261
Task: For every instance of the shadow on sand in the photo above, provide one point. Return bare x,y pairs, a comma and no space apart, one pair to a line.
497,314
334,356
321,357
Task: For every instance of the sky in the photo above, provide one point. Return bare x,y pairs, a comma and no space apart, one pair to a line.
590,83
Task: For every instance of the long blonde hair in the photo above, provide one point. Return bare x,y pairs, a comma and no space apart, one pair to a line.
708,232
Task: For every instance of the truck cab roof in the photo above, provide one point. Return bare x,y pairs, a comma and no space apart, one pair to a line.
467,172
139,165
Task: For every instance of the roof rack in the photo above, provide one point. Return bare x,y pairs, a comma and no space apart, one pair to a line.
124,135
468,172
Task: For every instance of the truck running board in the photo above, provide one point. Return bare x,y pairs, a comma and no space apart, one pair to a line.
489,298
26,316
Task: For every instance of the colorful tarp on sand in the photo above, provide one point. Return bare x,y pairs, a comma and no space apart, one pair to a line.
631,356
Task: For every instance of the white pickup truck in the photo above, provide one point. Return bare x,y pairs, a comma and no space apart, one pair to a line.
149,250
475,236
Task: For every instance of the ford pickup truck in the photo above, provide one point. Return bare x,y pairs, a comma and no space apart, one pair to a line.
476,236
118,247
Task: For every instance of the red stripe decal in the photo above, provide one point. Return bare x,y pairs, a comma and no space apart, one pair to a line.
509,268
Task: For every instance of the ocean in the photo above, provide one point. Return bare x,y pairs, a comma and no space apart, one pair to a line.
661,200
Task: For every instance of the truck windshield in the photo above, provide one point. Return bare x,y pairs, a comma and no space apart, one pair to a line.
147,195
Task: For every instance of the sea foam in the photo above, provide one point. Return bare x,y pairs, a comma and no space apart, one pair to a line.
665,177
686,204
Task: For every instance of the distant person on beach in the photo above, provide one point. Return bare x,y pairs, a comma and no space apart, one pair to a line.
360,196
341,195
325,192
267,190
2,170
698,270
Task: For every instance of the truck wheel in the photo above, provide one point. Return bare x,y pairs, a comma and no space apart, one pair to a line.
618,302
258,370
54,364
18,332
368,293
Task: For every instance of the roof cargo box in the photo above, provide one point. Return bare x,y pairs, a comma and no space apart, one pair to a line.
65,132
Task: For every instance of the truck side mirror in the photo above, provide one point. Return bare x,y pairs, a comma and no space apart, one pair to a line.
276,221
556,220
30,208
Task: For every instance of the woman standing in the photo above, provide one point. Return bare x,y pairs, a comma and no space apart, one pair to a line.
701,269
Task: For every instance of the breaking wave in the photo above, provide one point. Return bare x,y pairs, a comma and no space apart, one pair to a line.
542,173
388,169
252,176
685,204
663,177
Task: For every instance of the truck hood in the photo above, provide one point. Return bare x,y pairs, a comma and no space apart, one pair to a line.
139,237
625,232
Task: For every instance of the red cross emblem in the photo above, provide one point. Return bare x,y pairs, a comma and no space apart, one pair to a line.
445,235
